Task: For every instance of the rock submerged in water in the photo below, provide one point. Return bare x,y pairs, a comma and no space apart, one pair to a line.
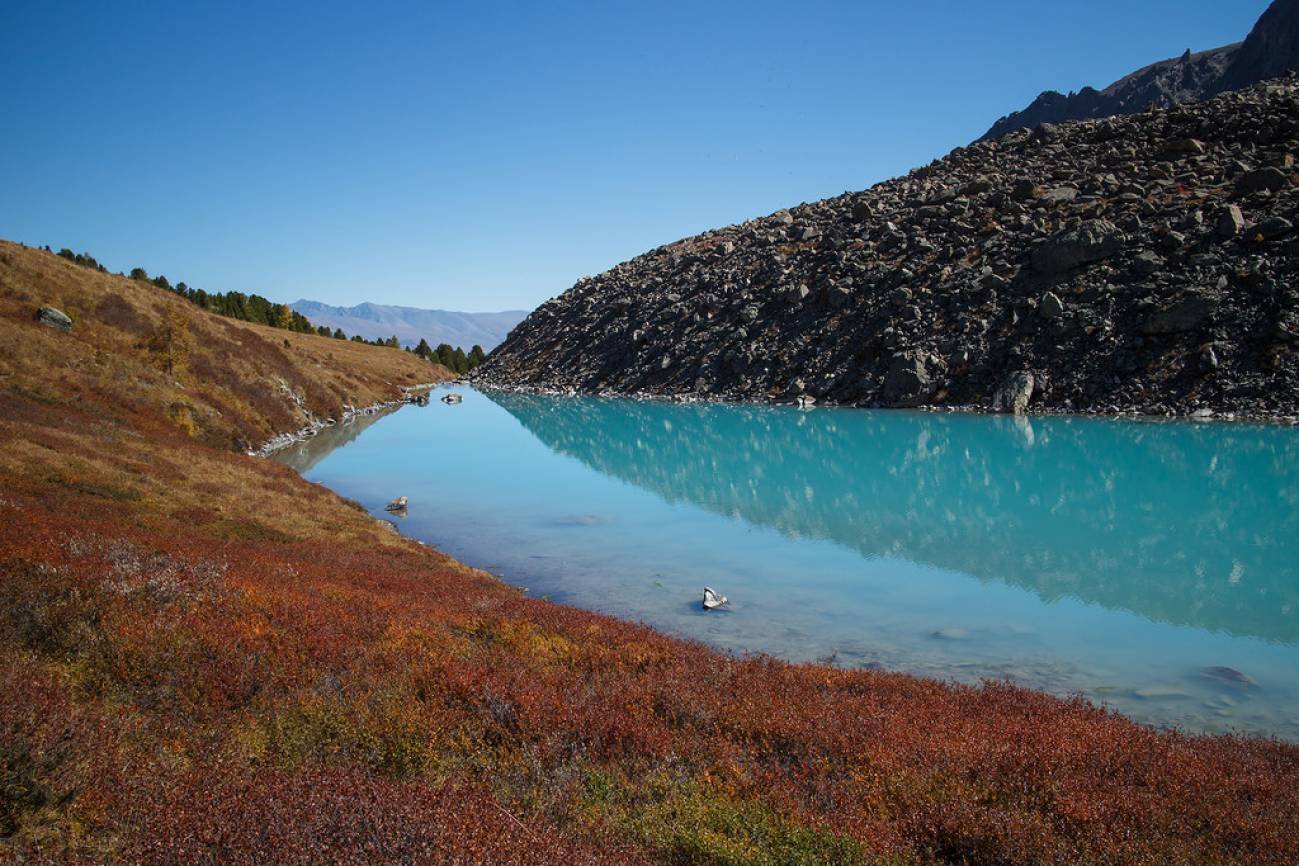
1228,678
1070,252
53,318
713,599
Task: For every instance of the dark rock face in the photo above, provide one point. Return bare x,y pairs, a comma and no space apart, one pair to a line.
1091,242
938,288
1270,51
54,318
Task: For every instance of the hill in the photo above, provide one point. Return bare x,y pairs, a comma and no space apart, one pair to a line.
208,659
1143,263
143,350
411,324
1270,51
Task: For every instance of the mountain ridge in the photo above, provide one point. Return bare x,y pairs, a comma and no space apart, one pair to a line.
411,324
1269,51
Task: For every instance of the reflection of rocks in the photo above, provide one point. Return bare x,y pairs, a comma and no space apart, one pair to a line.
1088,512
304,455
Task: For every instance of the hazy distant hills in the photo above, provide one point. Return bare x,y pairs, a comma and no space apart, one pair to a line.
1270,51
409,324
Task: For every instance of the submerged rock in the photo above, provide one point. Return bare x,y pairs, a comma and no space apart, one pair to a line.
713,599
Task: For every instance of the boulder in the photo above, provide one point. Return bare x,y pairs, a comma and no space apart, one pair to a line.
1051,307
1273,228
1231,222
1262,179
1187,314
907,382
1092,241
53,318
1015,393
1147,264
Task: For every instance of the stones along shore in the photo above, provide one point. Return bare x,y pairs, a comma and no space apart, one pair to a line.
1141,264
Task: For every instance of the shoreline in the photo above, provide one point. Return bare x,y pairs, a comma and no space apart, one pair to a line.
1205,416
316,425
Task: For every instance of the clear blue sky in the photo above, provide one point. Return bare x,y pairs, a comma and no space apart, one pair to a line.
482,155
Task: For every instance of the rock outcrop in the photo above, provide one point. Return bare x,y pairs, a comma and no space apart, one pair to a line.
1271,50
53,318
1104,262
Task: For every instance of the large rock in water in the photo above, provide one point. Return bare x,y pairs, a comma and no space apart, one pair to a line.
927,290
1014,394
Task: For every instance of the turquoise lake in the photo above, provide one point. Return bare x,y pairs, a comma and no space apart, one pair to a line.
1151,567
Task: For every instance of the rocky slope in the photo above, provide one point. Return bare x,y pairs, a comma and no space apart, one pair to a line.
1271,50
1132,264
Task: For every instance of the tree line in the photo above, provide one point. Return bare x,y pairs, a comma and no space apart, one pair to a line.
255,308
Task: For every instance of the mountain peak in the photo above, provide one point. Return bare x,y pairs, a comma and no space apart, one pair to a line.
1271,50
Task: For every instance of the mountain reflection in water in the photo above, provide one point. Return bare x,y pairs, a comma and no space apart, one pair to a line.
1190,524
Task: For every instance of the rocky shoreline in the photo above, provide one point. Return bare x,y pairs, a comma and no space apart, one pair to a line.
1139,265
410,394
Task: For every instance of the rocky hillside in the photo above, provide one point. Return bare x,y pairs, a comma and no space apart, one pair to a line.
1271,50
1142,263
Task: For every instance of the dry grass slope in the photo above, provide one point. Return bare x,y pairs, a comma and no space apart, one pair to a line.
205,658
144,350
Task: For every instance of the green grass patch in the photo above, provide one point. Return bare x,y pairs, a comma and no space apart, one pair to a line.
690,824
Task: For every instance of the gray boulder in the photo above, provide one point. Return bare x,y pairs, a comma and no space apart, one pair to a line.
1015,393
54,318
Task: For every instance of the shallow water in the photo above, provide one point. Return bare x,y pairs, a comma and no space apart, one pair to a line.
1152,567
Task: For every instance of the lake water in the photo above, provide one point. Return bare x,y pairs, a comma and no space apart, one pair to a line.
1152,567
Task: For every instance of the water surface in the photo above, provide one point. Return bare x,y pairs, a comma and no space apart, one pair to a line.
1153,567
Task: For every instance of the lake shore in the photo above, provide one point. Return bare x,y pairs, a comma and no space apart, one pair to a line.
220,660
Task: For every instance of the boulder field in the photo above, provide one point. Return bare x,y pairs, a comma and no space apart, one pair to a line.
1135,264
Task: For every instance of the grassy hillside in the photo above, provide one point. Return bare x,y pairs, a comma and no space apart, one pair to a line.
204,658
144,351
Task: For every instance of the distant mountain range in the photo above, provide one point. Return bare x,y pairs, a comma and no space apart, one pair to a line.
1271,50
410,324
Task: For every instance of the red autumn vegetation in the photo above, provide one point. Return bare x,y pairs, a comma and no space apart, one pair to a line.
205,658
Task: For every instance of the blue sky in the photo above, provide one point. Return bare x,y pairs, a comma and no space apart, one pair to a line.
483,156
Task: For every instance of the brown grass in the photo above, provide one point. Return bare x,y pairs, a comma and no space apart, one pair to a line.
241,382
